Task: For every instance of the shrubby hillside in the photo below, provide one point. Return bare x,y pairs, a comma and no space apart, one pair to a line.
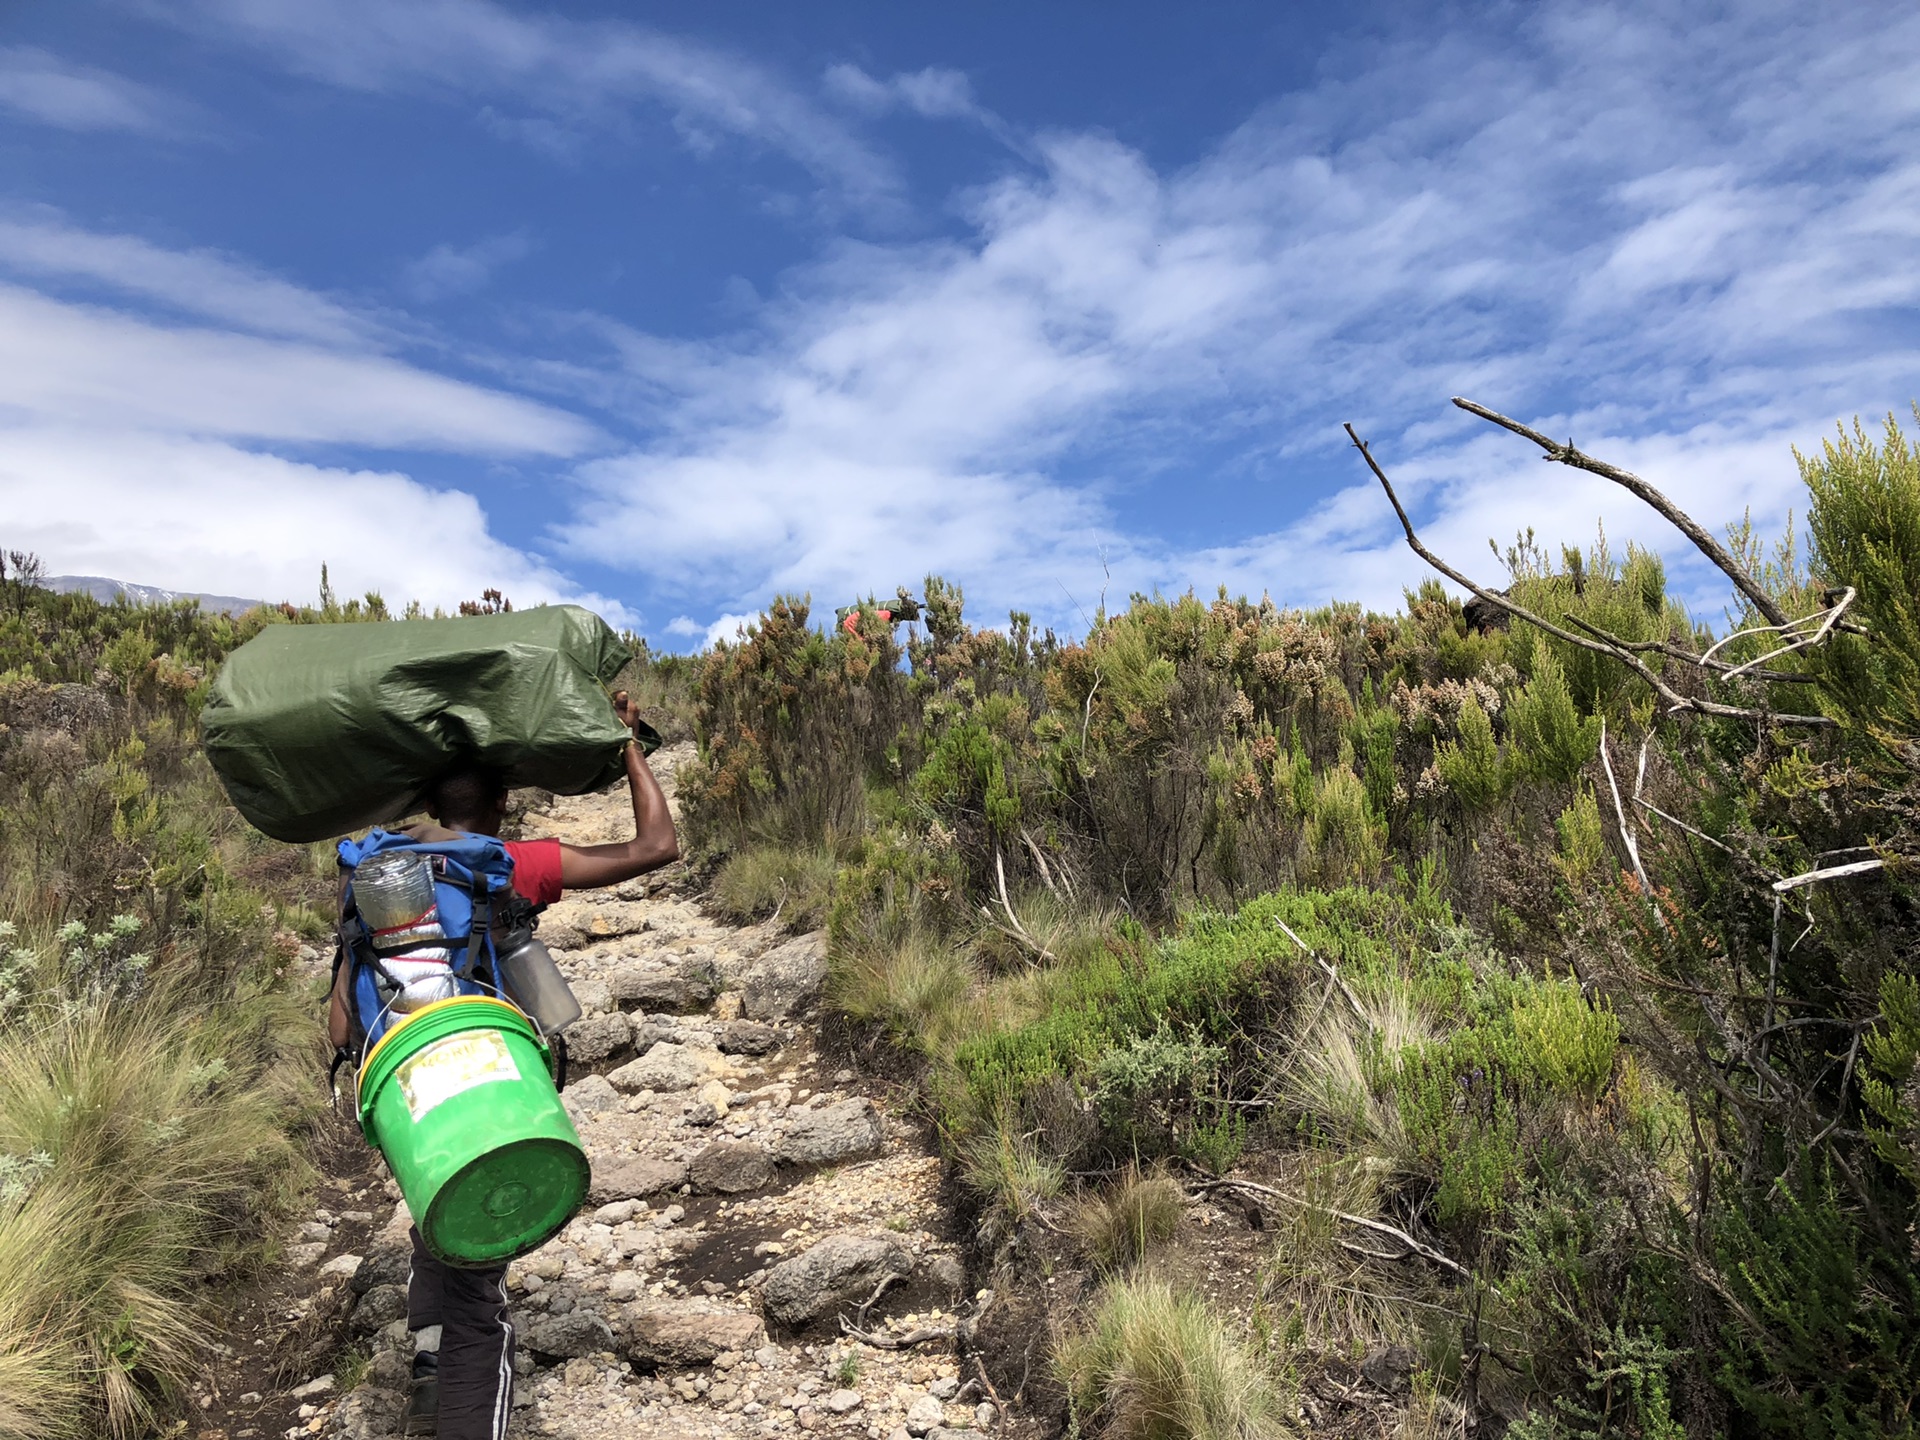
1473,953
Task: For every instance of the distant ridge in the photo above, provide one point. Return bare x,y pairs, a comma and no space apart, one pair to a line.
101,588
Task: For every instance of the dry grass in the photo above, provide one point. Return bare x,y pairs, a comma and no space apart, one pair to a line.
919,987
1329,1077
794,882
1136,1213
151,1144
1155,1363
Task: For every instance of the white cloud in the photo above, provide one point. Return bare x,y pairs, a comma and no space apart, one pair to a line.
448,270
190,514
52,91
76,363
584,76
1620,222
200,282
936,93
118,433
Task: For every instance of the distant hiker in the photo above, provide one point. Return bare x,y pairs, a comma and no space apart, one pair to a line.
901,608
463,1342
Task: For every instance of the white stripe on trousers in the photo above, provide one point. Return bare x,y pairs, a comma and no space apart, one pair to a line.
503,1401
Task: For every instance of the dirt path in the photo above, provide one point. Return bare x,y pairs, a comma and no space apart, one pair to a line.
748,1193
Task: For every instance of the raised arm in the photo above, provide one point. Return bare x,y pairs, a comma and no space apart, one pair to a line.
585,867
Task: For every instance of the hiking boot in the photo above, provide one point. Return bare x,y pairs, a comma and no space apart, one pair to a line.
423,1398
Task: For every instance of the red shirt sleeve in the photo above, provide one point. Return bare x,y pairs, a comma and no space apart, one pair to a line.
536,869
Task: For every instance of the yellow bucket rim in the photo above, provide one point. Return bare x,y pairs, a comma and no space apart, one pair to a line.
366,1064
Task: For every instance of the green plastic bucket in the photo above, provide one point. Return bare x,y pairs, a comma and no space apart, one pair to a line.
458,1098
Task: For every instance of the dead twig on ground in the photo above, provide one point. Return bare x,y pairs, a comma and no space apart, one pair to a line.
922,1336
1379,1227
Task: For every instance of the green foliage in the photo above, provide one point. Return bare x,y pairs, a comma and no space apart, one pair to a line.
1470,765
1865,527
1892,1048
1551,740
1583,847
1819,1339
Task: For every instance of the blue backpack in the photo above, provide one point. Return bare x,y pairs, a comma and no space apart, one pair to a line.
472,885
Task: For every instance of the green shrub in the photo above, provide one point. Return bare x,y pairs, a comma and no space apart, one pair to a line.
1470,765
1865,525
1156,1364
1550,740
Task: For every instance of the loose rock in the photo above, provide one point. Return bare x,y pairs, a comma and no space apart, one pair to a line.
833,1132
576,1334
786,978
841,1269
664,1067
593,1038
590,1095
635,1179
749,1037
731,1167
689,1333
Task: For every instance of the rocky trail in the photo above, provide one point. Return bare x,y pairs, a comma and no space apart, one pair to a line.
751,1197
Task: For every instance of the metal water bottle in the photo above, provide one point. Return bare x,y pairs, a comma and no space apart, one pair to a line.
535,983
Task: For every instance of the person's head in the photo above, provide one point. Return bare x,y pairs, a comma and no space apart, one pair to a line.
470,798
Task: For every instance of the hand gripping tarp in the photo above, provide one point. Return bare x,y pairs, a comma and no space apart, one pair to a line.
319,730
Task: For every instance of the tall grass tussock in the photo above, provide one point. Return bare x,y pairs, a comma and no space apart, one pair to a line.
1155,1363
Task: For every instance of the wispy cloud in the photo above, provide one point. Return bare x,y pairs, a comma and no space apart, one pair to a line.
52,91
578,76
204,283
448,270
1651,231
89,365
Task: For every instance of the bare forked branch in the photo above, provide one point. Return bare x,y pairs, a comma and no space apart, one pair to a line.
1599,642
1674,515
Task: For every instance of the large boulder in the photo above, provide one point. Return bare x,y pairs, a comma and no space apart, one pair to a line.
831,1133
635,1178
786,978
688,1332
841,1270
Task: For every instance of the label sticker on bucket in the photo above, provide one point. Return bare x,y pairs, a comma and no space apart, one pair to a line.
453,1066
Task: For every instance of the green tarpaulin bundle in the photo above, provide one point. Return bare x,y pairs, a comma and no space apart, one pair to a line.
319,730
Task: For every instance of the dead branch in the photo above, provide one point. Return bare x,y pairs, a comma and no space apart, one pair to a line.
1608,646
1674,515
1013,929
1619,811
887,1282
1333,975
1040,861
922,1336
1828,619
1379,1227
1832,872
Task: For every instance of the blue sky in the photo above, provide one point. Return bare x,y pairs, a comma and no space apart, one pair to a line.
669,309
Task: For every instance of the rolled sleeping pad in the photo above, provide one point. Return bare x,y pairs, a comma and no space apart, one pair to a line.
458,1098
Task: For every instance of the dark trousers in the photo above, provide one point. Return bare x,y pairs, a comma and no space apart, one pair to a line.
476,1343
